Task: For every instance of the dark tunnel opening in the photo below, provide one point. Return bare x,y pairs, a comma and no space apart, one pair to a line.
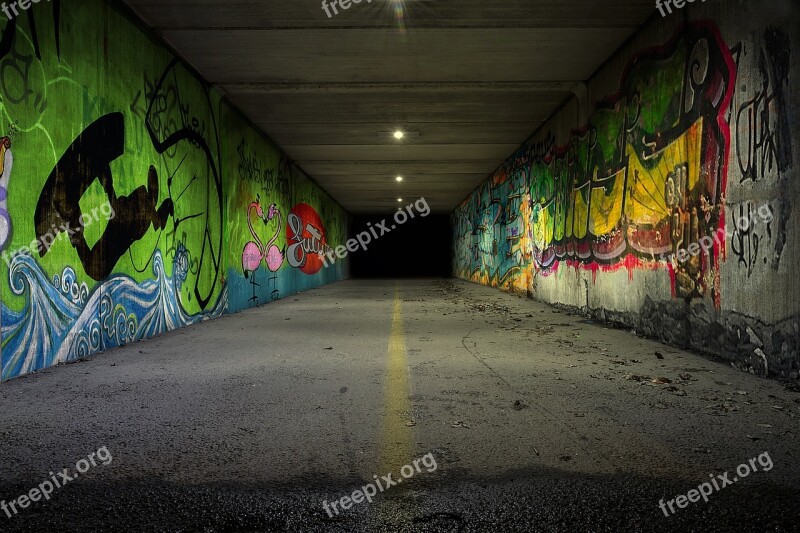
419,248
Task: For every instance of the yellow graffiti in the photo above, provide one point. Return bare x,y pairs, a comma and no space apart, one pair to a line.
634,195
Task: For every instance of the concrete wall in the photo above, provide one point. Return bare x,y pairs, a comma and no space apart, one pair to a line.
665,195
133,199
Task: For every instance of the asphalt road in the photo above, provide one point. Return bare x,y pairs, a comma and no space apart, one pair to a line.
520,417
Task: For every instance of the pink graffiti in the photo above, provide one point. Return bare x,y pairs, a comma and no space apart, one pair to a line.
254,251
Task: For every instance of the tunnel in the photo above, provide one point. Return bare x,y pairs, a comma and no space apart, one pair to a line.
399,266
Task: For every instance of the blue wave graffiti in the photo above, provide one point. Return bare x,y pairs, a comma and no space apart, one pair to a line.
63,321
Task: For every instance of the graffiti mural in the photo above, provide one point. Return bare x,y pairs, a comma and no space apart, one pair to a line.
106,285
306,233
92,125
763,135
277,220
255,252
645,178
88,159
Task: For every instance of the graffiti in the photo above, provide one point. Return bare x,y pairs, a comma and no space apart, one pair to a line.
501,239
271,181
747,243
645,177
763,130
175,126
249,166
763,135
16,76
272,233
87,159
255,252
143,135
6,163
182,263
541,149
304,229
22,79
63,320
11,27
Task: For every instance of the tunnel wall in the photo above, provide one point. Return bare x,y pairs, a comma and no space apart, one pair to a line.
126,190
663,196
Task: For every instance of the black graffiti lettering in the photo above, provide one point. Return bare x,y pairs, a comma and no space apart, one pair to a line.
763,140
745,242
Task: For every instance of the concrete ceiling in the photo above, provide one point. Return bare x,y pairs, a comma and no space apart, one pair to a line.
468,80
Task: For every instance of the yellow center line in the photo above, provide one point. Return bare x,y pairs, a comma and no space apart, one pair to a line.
396,438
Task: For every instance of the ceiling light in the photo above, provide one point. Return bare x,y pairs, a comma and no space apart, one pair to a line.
399,199
395,135
399,178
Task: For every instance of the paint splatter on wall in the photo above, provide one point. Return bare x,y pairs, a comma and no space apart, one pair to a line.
125,192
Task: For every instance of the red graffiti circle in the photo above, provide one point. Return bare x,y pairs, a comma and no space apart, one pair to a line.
305,238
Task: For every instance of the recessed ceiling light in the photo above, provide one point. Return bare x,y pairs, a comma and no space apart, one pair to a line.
399,199
388,135
399,178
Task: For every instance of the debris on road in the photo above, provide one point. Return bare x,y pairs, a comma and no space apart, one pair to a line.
634,377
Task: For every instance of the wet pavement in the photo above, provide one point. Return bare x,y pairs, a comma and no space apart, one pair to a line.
538,420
